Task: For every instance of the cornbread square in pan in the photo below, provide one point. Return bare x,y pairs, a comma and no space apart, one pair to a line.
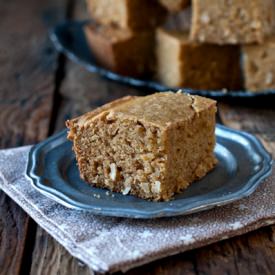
129,14
122,51
232,21
183,63
259,66
151,147
175,5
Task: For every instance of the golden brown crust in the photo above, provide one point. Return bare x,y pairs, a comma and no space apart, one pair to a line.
158,109
80,121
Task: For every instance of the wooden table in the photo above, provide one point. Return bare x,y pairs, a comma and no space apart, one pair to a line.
39,90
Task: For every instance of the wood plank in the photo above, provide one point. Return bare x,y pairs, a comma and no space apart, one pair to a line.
246,254
27,74
50,257
13,232
257,121
27,69
260,122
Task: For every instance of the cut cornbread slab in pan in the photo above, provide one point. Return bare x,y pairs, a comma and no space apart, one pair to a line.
151,147
232,21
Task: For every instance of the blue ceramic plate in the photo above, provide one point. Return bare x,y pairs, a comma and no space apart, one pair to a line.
69,39
243,164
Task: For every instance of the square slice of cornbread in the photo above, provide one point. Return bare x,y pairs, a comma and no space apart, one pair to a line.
184,63
121,50
151,147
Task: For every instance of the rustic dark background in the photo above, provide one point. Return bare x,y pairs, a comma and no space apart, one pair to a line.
39,89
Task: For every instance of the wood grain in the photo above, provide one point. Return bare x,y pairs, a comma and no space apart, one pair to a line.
13,229
27,69
247,254
49,257
27,74
257,121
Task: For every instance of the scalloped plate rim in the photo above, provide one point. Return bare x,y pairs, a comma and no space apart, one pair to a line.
167,211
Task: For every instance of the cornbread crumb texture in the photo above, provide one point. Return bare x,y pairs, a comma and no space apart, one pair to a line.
232,21
258,66
151,147
183,63
121,50
130,14
175,5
